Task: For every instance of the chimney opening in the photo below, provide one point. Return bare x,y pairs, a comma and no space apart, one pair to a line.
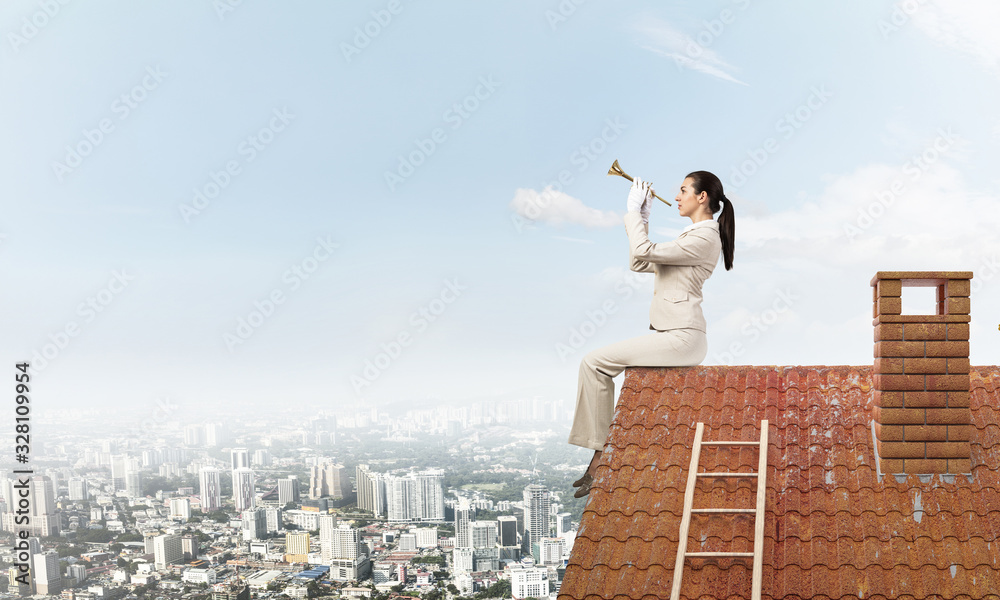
921,300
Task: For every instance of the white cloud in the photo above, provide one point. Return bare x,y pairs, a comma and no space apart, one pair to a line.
555,207
684,50
968,26
825,251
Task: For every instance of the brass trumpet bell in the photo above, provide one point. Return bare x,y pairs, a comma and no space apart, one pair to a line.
617,170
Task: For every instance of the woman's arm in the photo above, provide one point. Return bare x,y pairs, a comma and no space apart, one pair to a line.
691,249
639,266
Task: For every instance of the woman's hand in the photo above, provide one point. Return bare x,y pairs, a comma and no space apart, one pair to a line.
647,204
638,194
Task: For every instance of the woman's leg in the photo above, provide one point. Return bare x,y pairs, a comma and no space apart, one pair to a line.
595,402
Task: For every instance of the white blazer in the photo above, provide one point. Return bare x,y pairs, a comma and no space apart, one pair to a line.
681,268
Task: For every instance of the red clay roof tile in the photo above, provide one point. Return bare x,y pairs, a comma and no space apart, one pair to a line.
834,527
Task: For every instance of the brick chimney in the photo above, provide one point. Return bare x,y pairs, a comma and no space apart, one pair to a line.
921,375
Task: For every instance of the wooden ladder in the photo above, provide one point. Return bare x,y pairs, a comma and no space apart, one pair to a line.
693,475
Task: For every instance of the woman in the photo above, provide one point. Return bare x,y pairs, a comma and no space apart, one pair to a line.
681,268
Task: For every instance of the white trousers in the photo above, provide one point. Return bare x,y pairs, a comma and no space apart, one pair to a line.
595,399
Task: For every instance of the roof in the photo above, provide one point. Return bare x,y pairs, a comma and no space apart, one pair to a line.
834,527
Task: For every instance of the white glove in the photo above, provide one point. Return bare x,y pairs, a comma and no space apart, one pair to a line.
637,194
647,204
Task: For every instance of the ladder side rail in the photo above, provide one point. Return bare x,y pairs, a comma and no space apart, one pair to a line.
675,591
758,539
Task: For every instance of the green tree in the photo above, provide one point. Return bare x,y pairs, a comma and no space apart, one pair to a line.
219,516
500,589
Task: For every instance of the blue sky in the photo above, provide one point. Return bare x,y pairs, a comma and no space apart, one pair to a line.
374,174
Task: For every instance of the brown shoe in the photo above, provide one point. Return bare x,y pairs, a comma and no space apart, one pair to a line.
587,478
585,488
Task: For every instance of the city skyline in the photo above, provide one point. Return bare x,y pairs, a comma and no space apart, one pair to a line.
189,493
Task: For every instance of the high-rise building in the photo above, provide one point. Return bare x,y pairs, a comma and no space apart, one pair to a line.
239,458
415,496
243,489
296,546
119,465
346,542
180,507
151,458
78,489
328,479
507,530
194,436
564,523
262,457
483,534
210,490
288,490
551,550
133,484
371,491
463,520
44,519
274,519
46,573
327,526
216,435
189,546
255,524
462,560
34,549
537,505
167,550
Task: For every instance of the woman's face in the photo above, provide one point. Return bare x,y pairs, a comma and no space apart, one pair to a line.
687,200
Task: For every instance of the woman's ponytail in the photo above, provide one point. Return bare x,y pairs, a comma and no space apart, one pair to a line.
727,230
707,182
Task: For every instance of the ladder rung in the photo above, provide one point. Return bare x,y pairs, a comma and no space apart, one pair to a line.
692,478
720,443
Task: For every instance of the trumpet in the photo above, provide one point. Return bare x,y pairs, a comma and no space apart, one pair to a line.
616,170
